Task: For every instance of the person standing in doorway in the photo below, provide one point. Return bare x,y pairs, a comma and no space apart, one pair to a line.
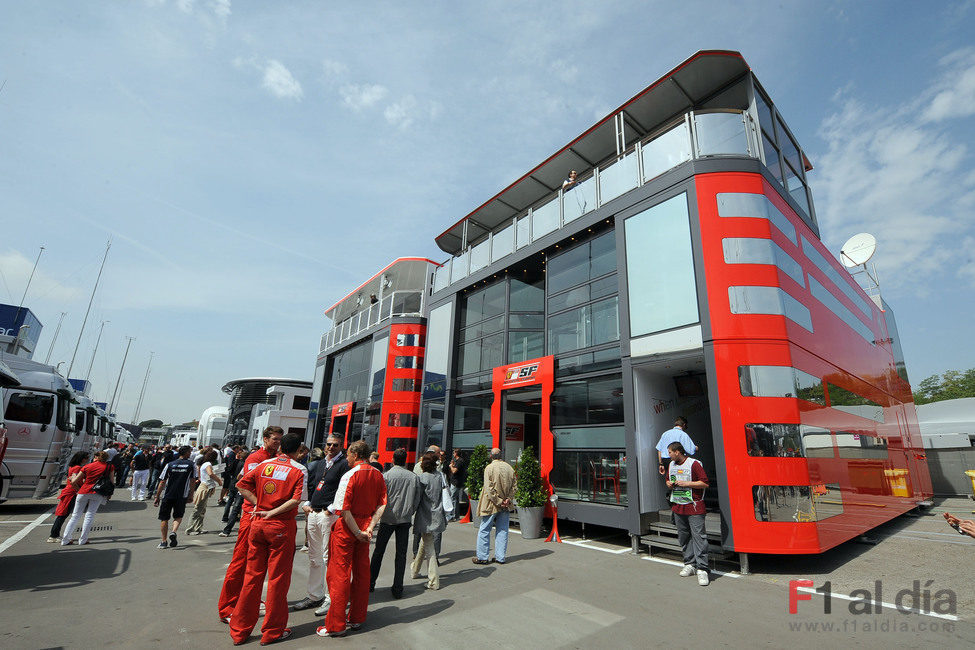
677,434
499,487
322,486
402,498
359,501
174,487
687,481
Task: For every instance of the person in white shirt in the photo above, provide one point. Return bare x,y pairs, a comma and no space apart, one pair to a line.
209,480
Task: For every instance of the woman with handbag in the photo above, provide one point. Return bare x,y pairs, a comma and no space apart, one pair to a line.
67,497
429,519
95,483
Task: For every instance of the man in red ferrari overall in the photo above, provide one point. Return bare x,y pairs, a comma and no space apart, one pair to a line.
359,502
274,488
235,572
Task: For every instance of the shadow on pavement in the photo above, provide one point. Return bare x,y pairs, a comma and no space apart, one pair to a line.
528,556
379,618
115,504
71,567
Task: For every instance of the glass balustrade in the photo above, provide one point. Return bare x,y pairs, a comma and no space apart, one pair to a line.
399,303
713,134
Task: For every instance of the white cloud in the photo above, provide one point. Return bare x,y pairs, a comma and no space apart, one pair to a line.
953,94
220,8
334,69
186,6
362,96
279,81
16,272
901,173
400,114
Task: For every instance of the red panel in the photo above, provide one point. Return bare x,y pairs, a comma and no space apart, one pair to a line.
344,409
832,351
397,402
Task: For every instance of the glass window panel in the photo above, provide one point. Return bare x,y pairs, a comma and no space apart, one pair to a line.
374,313
720,133
660,268
408,385
492,325
588,401
523,346
842,283
603,255
524,231
753,250
407,340
494,299
568,269
796,188
470,358
30,407
782,440
406,302
480,255
431,425
441,279
526,321
764,114
605,321
492,351
768,300
789,149
471,440
569,331
854,404
474,384
604,287
437,349
458,270
602,437
407,362
780,381
527,294
473,412
831,302
666,151
618,177
377,366
863,445
387,307
474,307
470,333
545,218
797,503
736,204
579,199
595,476
772,157
504,243
569,298
588,362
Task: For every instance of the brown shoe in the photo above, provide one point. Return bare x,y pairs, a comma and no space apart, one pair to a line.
480,561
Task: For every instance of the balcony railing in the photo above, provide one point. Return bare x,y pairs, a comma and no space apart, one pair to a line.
697,135
398,303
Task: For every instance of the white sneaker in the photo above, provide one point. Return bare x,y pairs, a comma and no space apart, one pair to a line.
688,570
323,609
702,578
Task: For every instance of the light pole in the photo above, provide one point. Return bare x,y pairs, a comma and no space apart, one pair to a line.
111,406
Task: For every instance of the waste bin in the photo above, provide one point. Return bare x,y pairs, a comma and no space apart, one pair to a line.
970,473
897,479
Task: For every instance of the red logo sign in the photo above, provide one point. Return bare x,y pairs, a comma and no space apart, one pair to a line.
24,433
520,373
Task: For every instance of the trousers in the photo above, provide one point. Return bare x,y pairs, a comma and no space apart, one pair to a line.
319,534
426,550
235,571
499,521
690,534
348,576
200,498
271,553
87,505
399,562
140,482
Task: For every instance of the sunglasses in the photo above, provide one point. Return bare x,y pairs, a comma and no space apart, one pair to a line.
332,444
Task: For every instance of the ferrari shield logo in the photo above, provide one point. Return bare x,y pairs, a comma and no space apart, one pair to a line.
269,488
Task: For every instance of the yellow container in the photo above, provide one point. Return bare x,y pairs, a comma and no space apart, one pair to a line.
897,479
970,473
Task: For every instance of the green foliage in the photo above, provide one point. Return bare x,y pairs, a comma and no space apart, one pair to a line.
480,458
530,491
151,424
950,385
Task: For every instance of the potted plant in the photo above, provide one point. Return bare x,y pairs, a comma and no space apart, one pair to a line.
475,478
530,494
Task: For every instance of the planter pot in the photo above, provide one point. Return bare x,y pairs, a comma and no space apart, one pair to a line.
475,518
530,521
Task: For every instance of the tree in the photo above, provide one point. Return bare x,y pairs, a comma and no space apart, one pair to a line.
530,490
952,384
151,424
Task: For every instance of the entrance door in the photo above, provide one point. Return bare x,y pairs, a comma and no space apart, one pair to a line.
342,422
521,418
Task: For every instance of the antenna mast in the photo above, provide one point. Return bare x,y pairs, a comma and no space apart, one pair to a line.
90,300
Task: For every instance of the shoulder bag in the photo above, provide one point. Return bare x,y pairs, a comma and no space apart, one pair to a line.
446,497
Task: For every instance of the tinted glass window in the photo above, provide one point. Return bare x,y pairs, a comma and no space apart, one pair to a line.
30,407
780,381
472,413
301,402
588,401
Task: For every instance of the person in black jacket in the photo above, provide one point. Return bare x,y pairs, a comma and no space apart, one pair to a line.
322,486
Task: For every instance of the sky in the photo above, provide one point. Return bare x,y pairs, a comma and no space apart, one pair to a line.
254,162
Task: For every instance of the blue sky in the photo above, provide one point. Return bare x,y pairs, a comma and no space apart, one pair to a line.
253,162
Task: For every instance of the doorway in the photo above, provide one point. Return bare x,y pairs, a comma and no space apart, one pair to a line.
521,417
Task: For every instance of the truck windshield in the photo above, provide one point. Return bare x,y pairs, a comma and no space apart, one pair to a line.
30,407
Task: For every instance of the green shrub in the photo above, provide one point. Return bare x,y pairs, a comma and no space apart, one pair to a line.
480,458
530,491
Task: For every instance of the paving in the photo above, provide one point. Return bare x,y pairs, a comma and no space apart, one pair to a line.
590,591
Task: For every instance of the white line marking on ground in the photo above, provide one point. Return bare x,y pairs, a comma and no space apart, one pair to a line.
17,521
947,617
676,563
597,548
23,533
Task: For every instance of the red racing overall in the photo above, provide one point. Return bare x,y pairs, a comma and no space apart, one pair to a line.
361,491
235,572
271,547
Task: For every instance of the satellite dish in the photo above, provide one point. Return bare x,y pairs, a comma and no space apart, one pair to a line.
858,249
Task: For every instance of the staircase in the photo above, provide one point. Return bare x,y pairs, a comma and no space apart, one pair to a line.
663,535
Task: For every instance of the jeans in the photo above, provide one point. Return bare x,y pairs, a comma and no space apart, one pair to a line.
455,492
690,534
231,499
399,562
154,479
499,521
232,511
88,505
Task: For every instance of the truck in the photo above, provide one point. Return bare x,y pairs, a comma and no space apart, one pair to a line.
7,380
39,415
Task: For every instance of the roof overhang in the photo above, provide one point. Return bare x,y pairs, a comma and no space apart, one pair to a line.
402,274
231,385
677,92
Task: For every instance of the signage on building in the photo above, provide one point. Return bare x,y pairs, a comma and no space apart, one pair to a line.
514,432
13,318
523,374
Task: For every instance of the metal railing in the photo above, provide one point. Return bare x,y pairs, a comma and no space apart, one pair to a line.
398,303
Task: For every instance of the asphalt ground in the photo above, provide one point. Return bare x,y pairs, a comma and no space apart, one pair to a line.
120,591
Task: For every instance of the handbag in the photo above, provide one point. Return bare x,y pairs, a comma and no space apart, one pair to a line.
104,486
446,497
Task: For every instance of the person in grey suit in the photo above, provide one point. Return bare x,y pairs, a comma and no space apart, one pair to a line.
403,490
430,519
